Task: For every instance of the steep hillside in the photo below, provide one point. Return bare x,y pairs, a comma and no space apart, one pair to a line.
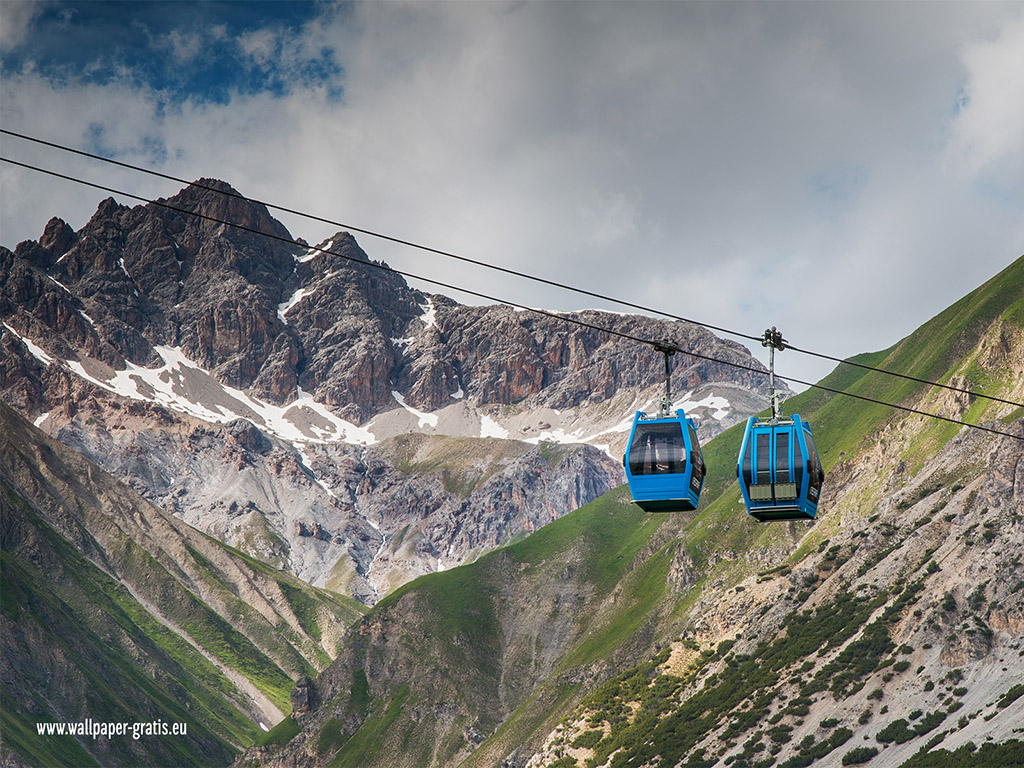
255,386
892,625
116,611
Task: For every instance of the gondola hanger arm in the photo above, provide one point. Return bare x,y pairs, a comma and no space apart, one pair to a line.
667,347
773,340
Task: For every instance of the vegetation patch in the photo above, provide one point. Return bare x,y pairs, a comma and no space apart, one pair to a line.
280,734
811,751
358,749
859,755
1005,755
304,607
1011,696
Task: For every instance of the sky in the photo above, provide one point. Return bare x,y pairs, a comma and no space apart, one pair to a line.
843,171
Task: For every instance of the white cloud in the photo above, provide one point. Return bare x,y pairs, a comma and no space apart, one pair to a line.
750,165
988,130
184,46
260,45
16,19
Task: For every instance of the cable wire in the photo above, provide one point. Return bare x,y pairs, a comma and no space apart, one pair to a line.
504,270
657,344
382,236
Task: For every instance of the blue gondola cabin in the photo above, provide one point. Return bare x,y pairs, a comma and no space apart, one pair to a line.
664,464
779,470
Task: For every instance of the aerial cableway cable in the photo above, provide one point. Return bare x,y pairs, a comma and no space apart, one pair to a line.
657,344
504,270
381,236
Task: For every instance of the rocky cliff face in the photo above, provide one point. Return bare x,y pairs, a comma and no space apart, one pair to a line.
358,519
252,384
267,314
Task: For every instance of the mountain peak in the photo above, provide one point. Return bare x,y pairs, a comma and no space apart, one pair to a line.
58,236
215,184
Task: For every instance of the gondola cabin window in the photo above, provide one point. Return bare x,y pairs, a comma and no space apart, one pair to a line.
657,449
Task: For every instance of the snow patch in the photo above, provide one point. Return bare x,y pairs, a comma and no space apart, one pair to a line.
295,298
575,437
36,351
425,419
558,436
352,434
429,316
458,394
719,405
58,282
314,251
623,426
300,448
490,428
181,385
41,418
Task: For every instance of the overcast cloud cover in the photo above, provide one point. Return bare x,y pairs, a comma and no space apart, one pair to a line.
841,170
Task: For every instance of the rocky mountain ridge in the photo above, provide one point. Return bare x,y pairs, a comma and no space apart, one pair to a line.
271,316
162,343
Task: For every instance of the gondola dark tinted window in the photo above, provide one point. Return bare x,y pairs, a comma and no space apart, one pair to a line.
815,468
697,459
657,449
781,456
764,457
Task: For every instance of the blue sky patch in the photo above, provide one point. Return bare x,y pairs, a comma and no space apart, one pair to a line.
205,51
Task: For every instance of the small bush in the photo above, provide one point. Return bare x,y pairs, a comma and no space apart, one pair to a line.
859,755
1011,696
896,731
588,739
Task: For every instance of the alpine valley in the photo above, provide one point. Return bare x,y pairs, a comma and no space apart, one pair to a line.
251,482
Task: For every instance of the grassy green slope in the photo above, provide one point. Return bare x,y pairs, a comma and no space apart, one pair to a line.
943,348
474,636
950,347
69,618
115,611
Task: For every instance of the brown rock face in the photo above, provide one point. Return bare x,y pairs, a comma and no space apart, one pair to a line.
271,315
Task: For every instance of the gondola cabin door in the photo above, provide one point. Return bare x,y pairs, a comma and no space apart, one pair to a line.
779,470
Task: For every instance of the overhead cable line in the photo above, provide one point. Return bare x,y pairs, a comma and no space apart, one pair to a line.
381,236
657,344
504,270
